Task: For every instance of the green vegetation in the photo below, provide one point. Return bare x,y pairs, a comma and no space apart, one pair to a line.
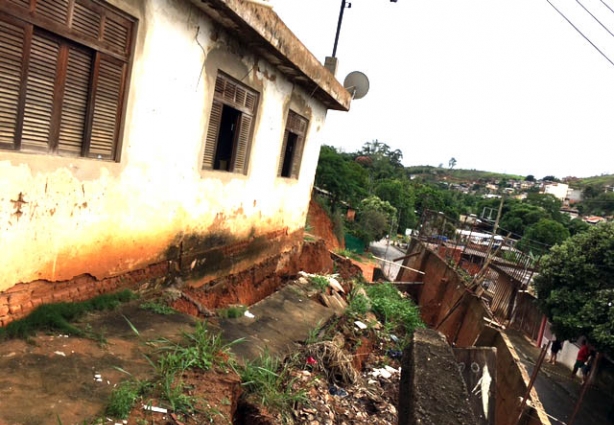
157,308
232,312
358,304
204,350
57,317
320,282
603,180
124,396
268,381
576,287
392,309
201,350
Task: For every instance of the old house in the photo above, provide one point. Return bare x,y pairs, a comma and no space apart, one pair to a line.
148,138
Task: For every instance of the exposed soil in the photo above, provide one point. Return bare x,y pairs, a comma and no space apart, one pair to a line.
51,378
322,227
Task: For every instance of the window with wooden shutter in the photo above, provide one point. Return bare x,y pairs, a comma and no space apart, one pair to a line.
63,70
229,131
292,146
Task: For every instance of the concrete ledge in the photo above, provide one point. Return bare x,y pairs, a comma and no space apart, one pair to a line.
432,390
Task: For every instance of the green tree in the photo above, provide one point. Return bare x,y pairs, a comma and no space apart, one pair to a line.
539,237
530,178
576,226
452,162
550,203
575,286
375,218
400,195
341,176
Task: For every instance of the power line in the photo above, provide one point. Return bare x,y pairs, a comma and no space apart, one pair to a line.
595,18
580,32
606,5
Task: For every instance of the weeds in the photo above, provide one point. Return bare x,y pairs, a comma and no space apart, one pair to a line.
204,351
314,334
124,396
267,380
358,304
392,308
232,312
57,316
320,282
176,395
158,308
350,254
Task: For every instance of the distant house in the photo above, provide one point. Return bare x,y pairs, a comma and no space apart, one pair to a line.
559,190
574,195
146,138
571,212
594,219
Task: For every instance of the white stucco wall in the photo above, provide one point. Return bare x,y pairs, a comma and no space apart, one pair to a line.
102,218
559,190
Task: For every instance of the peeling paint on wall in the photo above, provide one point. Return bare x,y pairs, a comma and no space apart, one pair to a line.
64,217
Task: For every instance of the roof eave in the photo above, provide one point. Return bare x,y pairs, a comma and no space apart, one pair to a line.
262,30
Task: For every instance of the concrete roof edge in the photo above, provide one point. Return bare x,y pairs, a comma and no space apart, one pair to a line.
273,36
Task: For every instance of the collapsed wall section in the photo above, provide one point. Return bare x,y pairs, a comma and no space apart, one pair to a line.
448,306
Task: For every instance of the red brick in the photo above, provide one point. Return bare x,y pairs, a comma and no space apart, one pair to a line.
15,309
19,298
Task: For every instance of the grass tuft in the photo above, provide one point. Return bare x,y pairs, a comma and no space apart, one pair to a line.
158,308
268,381
124,396
57,316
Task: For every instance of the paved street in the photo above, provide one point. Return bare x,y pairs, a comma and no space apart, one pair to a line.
558,392
382,249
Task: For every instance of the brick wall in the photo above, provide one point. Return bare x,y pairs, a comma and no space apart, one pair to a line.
255,273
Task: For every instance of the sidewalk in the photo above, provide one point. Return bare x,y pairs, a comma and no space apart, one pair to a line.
558,392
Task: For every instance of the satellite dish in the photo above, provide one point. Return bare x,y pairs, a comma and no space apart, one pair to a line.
357,84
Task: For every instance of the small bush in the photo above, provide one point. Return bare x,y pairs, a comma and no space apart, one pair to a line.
392,308
358,305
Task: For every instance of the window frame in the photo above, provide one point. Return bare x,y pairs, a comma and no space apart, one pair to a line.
110,46
229,92
297,125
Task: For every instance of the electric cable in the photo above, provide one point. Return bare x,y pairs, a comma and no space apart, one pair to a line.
580,32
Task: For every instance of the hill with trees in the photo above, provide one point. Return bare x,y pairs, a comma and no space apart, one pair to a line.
390,198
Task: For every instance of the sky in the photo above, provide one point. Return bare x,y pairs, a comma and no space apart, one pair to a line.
500,85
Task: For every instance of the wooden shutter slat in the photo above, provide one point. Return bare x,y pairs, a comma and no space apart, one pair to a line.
116,32
11,54
106,114
22,3
283,152
54,10
215,118
240,161
297,156
40,93
74,107
250,101
86,21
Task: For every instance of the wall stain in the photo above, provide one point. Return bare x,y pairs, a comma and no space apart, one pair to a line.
18,204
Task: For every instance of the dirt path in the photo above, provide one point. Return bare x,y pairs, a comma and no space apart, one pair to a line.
53,376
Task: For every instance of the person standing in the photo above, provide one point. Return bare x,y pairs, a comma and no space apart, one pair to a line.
557,345
581,359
